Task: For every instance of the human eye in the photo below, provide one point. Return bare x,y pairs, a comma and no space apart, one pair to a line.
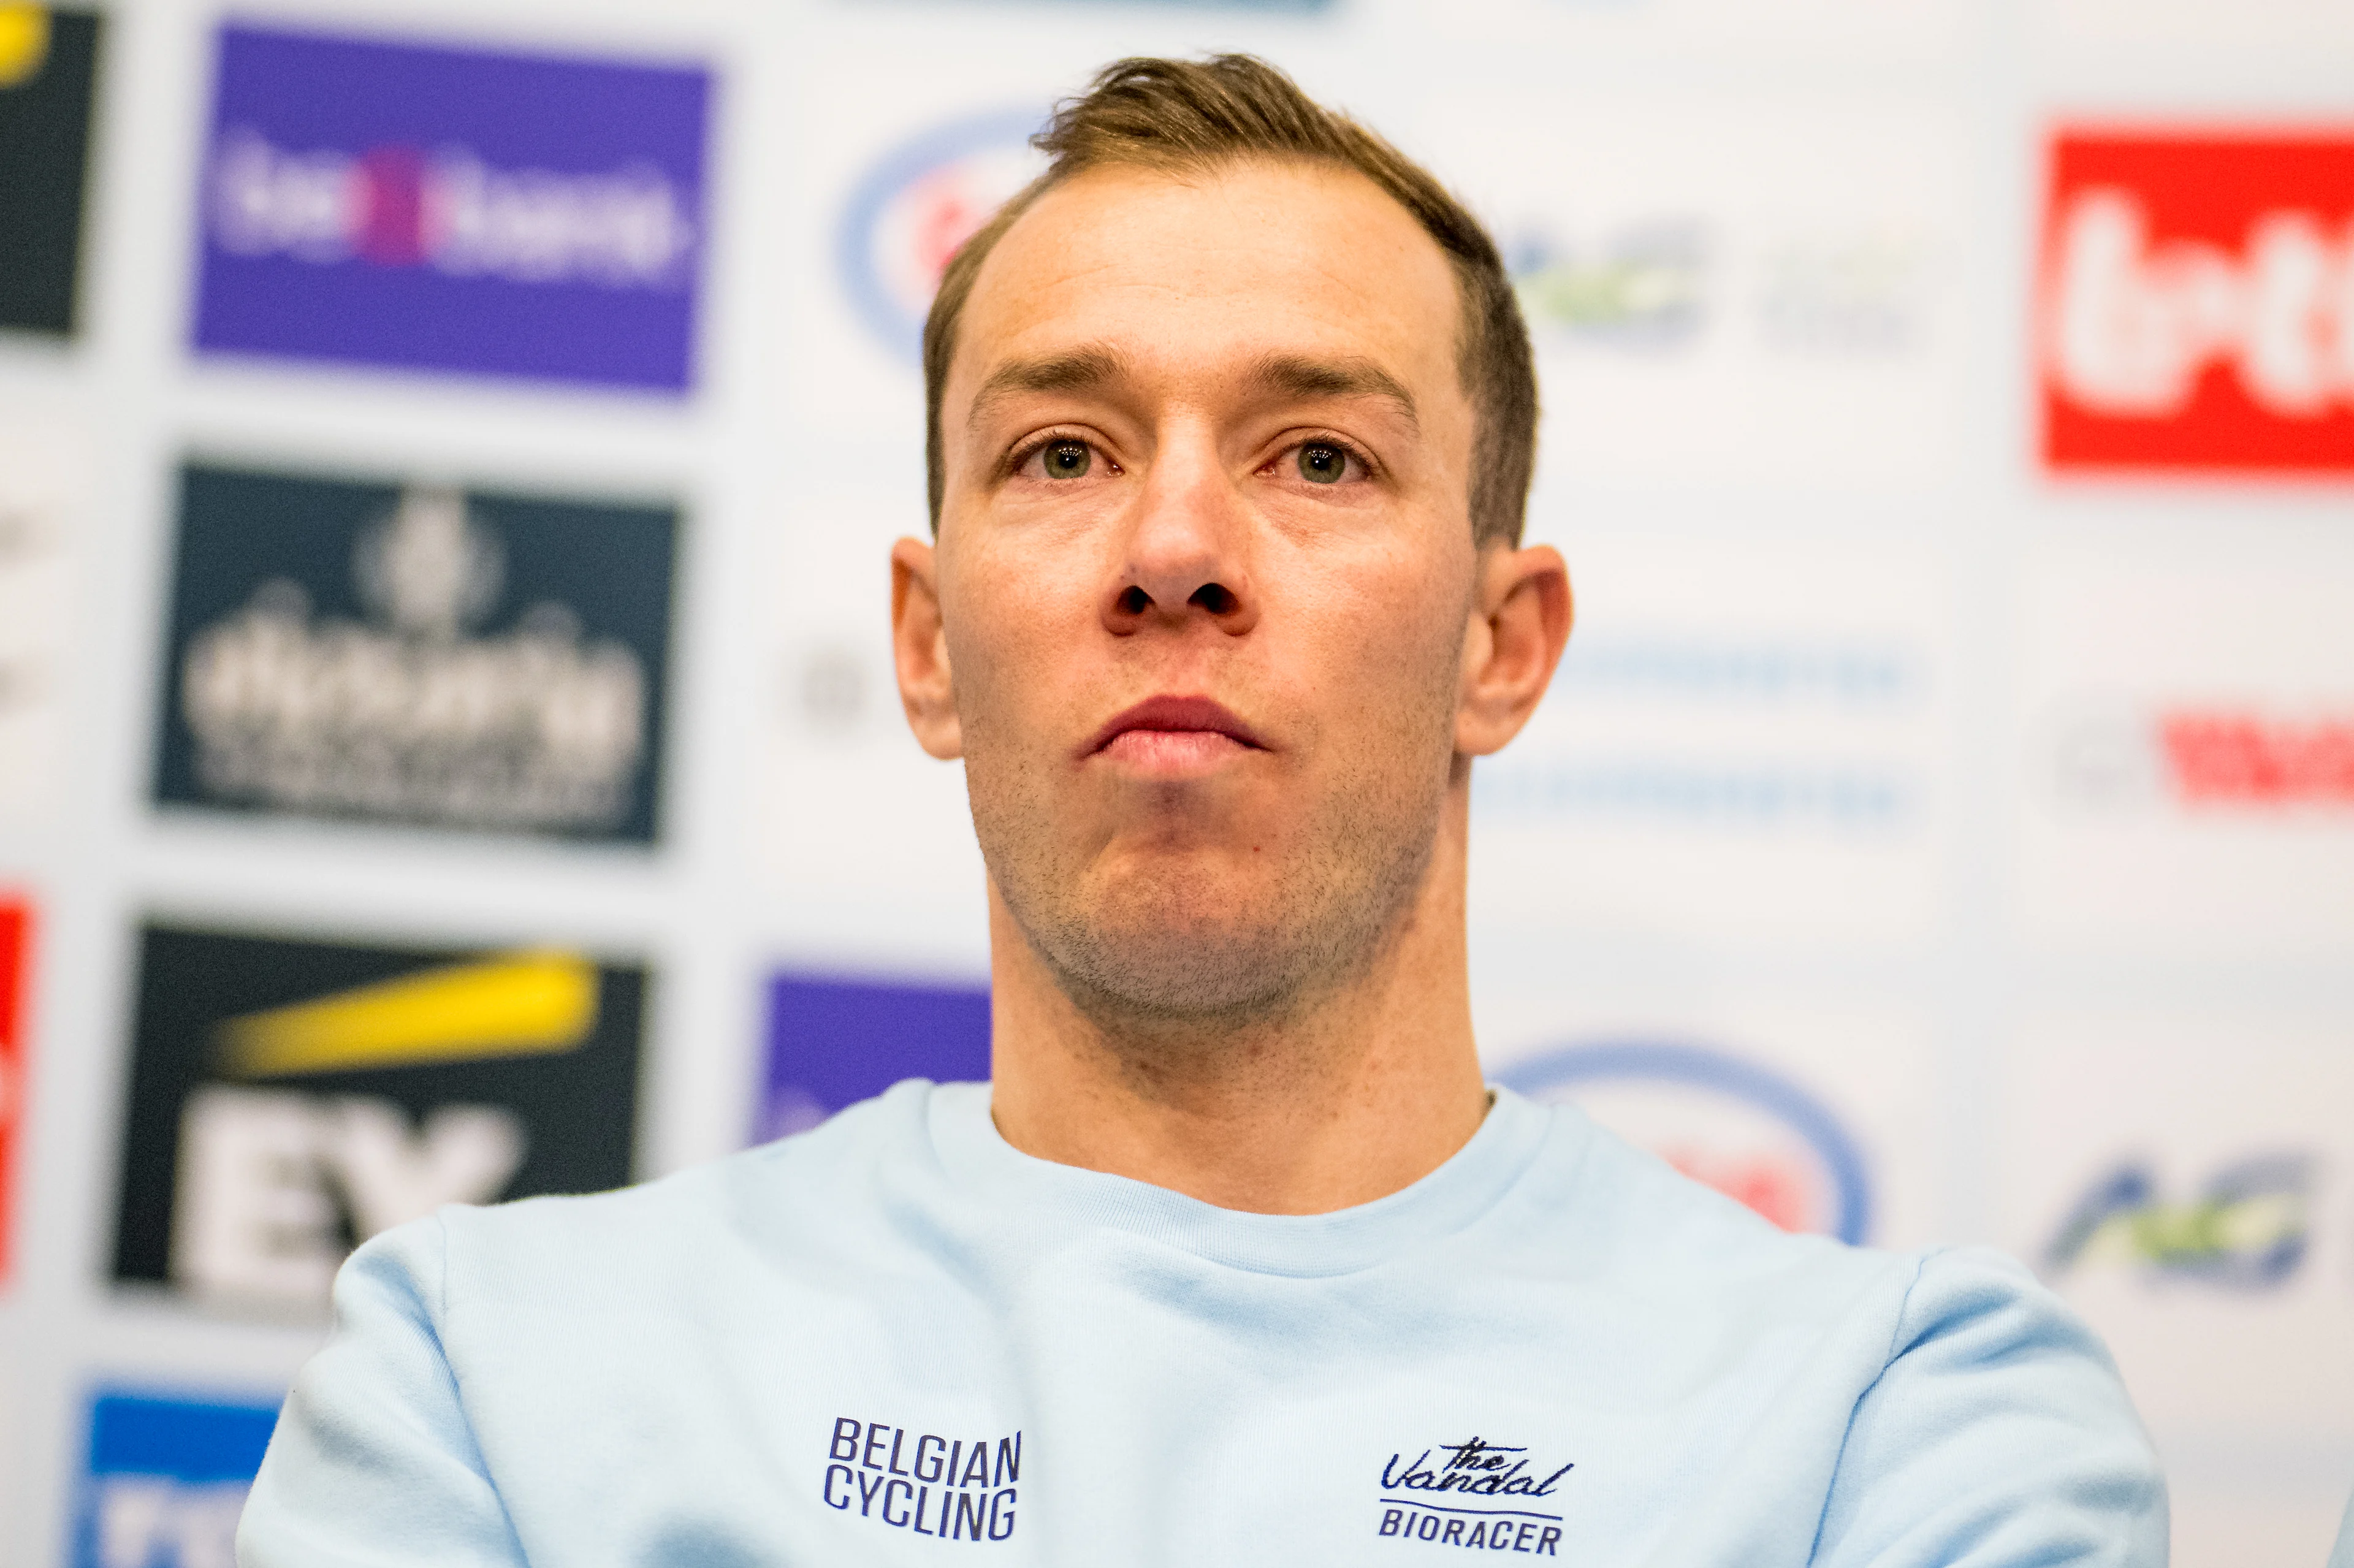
1057,456
1322,460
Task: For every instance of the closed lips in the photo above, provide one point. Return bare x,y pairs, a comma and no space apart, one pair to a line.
1178,714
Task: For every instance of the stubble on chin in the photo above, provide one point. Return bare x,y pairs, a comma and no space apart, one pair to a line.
1184,944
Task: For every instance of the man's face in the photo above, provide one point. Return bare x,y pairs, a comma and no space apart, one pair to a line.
1205,571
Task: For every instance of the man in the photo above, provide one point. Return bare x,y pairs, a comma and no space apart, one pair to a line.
1235,1260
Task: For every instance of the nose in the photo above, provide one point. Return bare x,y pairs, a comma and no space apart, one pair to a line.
1184,556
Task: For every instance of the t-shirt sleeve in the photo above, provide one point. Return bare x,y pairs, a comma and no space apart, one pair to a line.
373,1461
1998,1435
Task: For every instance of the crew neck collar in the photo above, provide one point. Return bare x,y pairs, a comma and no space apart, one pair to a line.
980,1161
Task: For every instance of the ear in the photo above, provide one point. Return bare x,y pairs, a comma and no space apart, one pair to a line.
1520,623
920,649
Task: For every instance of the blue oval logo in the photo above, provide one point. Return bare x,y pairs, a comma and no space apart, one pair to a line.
920,201
1739,1128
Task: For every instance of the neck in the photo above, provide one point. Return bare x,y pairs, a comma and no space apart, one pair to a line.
1340,1100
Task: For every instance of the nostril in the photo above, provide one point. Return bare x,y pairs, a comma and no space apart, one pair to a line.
1216,597
1134,600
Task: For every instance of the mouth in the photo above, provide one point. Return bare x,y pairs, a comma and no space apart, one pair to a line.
1174,735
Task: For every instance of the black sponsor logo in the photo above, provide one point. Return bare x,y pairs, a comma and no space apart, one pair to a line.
952,1488
1481,1496
290,1098
48,61
416,654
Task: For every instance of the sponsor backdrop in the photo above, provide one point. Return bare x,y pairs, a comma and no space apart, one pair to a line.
448,749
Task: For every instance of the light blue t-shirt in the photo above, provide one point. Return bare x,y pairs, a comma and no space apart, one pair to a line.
897,1340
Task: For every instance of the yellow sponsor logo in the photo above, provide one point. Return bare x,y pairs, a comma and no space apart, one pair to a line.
23,42
540,1002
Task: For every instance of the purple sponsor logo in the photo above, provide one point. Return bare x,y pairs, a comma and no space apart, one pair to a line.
452,209
833,1041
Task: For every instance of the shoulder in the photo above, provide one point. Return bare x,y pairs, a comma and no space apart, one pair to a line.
1625,1222
1977,1314
1996,1432
1975,1418
1982,1295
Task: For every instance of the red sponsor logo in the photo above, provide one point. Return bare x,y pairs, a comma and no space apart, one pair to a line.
2223,758
1775,1189
2197,303
15,947
2205,756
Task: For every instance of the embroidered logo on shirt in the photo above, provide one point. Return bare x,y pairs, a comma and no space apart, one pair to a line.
954,1489
1476,1494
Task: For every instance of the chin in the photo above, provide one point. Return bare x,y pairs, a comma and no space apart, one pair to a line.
1197,974
1182,943
1209,927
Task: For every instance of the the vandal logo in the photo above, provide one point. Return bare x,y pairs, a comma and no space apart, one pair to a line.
2199,303
1749,1132
468,690
953,1489
2211,758
919,202
165,1479
291,1099
1474,1494
2246,1227
454,209
448,210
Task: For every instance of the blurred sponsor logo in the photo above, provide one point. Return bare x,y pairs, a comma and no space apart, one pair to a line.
16,962
2205,758
2246,1227
1662,284
1743,1128
450,211
834,1041
919,202
49,61
26,544
471,690
456,209
165,1479
1642,287
1709,776
290,1100
1765,796
1863,294
45,473
2199,303
23,42
1844,676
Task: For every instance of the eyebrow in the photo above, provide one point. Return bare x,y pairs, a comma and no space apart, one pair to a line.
1294,376
1299,377
1080,370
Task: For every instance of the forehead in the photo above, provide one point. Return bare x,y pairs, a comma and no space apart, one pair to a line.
1190,274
